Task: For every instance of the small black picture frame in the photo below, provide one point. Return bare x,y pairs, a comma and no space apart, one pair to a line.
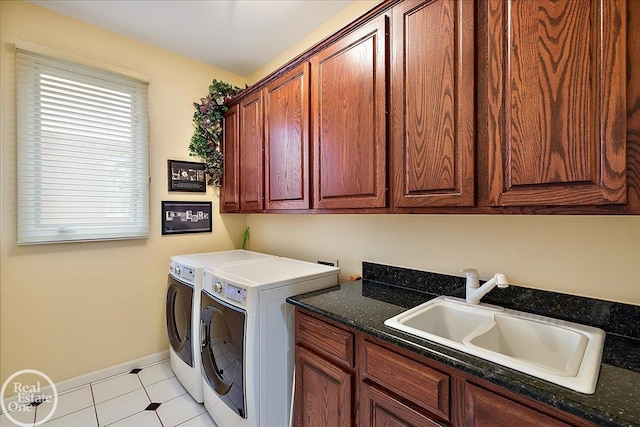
187,176
186,217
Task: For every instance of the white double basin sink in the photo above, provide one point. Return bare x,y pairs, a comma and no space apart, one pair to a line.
564,353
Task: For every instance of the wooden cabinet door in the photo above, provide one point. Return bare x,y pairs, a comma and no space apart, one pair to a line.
251,153
432,98
323,392
348,99
485,408
378,409
286,122
556,113
411,380
230,190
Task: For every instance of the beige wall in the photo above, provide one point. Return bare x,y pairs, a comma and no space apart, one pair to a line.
69,309
348,14
588,256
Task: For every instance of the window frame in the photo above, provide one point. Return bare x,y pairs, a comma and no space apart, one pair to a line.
31,138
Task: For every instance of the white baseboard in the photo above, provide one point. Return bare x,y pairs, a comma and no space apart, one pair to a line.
102,374
111,371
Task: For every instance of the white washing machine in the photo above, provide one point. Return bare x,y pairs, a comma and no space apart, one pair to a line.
183,310
248,338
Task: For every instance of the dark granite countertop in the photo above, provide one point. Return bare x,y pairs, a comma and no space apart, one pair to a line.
365,305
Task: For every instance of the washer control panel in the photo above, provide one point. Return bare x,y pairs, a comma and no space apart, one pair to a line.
234,293
224,290
179,271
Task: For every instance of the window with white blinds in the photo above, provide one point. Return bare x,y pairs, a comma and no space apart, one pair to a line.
83,169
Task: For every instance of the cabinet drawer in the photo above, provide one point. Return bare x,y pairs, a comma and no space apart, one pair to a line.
333,343
407,378
378,408
485,408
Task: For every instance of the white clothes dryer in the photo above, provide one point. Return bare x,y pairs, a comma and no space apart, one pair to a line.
248,338
183,311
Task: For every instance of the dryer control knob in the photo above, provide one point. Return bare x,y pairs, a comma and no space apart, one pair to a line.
176,270
217,287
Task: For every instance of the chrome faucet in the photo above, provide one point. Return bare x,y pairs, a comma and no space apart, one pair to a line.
475,292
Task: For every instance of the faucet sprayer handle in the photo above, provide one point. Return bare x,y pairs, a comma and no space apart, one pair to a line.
472,277
470,272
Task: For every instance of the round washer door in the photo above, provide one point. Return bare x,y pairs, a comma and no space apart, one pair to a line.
223,351
179,309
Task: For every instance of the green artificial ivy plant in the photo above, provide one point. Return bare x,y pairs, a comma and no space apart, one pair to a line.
206,142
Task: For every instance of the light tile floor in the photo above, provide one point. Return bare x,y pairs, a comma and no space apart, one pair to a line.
149,397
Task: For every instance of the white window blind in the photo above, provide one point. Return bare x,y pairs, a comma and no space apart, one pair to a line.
83,169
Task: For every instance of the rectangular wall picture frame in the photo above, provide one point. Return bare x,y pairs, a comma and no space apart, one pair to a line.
186,217
187,176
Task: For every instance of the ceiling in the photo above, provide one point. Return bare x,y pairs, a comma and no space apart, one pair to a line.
239,36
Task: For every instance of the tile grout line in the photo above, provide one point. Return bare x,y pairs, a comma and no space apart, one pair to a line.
95,409
94,403
128,416
144,387
155,411
186,421
137,374
160,419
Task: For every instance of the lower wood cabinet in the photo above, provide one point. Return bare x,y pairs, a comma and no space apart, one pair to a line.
323,392
412,381
348,378
324,374
485,408
378,408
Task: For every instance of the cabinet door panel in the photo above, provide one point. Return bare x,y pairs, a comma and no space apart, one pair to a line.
349,113
556,93
409,379
287,141
335,344
251,153
433,103
378,409
230,191
485,408
323,392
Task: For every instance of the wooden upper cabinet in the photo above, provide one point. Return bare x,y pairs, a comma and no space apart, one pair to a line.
432,103
251,153
287,140
230,190
556,112
349,96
